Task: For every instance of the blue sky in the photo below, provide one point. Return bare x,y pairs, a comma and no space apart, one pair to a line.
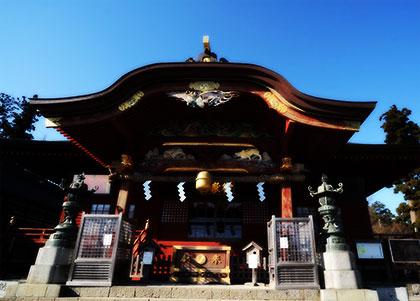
359,50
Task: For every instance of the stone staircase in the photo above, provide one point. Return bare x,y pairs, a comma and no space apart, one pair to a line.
53,292
198,292
156,292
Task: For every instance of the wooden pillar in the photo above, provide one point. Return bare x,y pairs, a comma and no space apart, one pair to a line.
286,200
122,197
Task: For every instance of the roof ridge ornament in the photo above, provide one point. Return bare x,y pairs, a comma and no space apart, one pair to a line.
207,56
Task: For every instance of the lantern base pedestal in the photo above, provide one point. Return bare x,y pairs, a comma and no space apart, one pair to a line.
51,266
340,270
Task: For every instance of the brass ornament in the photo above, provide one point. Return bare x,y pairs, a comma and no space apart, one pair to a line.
201,259
286,164
204,86
204,182
132,101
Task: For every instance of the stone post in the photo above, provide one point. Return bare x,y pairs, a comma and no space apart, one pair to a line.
53,260
339,262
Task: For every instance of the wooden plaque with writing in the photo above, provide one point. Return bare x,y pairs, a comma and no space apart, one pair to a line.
201,264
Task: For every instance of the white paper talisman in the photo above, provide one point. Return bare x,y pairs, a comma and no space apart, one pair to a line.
107,241
252,261
284,243
147,257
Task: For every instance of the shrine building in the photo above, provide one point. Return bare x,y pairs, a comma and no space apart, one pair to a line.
207,151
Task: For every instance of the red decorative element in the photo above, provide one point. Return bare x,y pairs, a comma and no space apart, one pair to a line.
286,201
72,140
36,235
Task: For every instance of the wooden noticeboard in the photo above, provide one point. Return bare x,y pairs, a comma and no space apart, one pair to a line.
201,264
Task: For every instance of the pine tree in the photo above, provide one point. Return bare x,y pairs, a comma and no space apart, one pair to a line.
403,217
379,214
400,130
17,117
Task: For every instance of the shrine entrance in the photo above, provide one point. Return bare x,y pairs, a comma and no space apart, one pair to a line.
214,219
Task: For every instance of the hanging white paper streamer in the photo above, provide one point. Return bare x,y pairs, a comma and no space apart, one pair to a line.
181,191
228,191
147,192
261,191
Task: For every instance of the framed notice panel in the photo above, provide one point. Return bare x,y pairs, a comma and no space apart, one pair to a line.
369,250
404,250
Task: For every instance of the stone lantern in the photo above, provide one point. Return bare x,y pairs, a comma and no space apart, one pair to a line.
53,260
328,211
339,262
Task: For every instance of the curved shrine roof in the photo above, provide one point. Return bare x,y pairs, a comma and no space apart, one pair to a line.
229,75
145,98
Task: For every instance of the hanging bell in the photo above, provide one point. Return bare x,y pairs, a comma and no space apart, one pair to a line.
203,182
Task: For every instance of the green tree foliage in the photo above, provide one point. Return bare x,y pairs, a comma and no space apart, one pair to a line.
398,128
403,217
17,117
383,221
379,214
410,185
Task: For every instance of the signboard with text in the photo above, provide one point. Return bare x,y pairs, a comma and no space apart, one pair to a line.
369,250
201,264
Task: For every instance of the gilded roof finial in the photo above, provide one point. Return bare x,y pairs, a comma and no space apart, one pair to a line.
206,43
207,56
